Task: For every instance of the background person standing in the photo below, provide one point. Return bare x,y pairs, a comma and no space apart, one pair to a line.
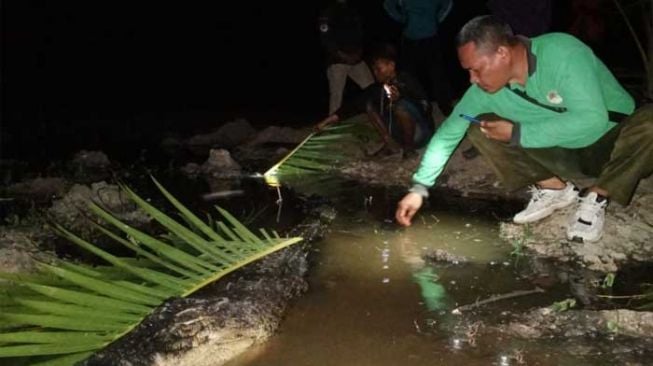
341,34
420,49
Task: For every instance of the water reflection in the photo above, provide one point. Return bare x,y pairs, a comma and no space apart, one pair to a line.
456,343
433,293
504,360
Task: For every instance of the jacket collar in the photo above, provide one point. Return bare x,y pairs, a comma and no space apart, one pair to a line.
530,56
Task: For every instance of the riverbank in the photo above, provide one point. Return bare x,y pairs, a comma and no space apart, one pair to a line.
212,328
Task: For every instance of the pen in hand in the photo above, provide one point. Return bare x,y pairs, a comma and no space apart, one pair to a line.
470,118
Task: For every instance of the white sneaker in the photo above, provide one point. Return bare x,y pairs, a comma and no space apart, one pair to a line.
586,225
544,201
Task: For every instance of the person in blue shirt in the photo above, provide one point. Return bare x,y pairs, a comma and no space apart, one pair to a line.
420,50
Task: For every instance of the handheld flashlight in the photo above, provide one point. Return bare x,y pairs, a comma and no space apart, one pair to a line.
386,87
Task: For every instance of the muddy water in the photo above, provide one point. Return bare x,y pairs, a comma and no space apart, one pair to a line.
374,300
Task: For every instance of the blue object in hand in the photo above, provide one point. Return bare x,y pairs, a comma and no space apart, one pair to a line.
470,118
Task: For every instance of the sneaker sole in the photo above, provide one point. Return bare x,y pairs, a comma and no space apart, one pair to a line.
543,214
578,239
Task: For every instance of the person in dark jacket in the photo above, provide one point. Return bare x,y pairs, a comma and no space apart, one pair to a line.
341,34
397,106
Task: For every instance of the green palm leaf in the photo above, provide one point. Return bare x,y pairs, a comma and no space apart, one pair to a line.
312,167
318,152
67,311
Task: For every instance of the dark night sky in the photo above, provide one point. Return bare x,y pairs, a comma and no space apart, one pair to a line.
105,74
111,59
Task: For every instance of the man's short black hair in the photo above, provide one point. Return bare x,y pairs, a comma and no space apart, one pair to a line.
487,32
385,51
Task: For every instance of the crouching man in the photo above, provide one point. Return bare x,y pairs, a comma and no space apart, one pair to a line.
548,111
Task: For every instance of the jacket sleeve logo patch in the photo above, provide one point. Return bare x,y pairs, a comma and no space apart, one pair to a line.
553,97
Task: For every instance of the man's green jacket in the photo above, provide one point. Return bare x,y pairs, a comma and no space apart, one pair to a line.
565,103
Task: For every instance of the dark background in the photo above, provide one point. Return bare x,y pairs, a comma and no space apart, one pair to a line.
121,76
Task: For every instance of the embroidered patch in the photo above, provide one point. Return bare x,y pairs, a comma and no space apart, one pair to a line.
553,97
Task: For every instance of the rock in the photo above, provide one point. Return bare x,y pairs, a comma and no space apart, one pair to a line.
280,135
90,166
259,158
20,250
389,171
226,136
191,170
39,189
523,330
440,256
220,164
72,210
91,159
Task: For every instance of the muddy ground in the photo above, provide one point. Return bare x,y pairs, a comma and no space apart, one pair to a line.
221,330
628,234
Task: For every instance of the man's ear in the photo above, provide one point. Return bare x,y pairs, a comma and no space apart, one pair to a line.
502,51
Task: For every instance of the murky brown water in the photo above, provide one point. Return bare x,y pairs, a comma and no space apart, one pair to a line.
364,306
373,300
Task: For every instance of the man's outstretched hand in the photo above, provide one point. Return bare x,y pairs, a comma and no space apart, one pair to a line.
407,207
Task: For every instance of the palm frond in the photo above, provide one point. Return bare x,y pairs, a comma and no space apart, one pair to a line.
67,311
318,152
